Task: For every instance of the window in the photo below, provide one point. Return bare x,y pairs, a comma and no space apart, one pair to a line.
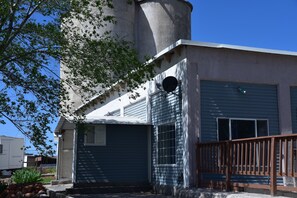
236,128
95,135
166,144
1,148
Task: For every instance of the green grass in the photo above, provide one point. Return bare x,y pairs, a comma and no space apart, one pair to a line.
47,180
48,170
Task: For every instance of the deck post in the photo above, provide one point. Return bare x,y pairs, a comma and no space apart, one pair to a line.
273,168
198,165
228,167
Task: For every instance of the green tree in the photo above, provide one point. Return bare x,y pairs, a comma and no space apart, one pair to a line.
35,37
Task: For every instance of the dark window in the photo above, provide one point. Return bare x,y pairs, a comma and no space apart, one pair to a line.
166,144
262,128
95,135
1,148
241,128
223,125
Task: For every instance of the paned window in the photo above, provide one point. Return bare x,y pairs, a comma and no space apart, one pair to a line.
95,135
236,128
166,144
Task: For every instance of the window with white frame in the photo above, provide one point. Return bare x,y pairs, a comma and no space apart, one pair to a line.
1,148
166,144
95,135
238,128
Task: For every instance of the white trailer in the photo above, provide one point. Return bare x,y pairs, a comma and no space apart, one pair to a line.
11,153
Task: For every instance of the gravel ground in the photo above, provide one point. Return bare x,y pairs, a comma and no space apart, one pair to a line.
121,195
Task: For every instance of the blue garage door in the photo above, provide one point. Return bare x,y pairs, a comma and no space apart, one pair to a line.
123,160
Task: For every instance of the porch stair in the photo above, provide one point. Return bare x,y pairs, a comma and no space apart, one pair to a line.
109,189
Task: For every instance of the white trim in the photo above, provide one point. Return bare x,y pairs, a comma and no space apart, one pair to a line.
74,156
59,167
246,119
167,165
223,46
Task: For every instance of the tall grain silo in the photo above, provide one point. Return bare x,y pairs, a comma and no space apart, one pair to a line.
123,28
124,15
160,23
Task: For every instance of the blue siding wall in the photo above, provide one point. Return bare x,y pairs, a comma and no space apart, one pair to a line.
222,99
124,159
116,113
294,108
137,110
166,108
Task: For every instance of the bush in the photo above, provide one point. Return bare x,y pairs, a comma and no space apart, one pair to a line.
3,186
24,176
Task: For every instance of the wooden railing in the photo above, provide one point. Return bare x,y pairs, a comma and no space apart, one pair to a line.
270,158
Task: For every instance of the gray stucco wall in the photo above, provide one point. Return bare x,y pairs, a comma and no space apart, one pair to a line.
166,108
223,99
123,160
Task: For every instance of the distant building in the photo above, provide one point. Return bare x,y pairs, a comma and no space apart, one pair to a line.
11,152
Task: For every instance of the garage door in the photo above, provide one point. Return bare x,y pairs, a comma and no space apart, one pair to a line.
122,159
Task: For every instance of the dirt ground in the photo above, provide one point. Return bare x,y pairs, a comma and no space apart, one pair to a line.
121,195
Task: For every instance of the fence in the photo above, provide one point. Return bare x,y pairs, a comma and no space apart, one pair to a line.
232,163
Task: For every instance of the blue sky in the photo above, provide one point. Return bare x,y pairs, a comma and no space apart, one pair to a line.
256,23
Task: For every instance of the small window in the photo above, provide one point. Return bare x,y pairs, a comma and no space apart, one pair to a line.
95,135
236,128
166,144
1,148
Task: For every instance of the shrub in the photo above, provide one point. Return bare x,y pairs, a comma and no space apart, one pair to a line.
24,176
3,186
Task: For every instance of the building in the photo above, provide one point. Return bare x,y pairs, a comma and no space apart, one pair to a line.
221,92
11,152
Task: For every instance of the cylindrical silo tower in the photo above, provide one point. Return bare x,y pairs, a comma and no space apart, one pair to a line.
161,23
124,14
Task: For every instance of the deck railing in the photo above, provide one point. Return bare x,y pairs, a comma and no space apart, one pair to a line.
271,159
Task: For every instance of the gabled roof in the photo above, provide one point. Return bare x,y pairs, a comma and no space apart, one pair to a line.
183,42
226,46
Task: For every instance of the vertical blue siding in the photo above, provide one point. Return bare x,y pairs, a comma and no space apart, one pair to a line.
294,108
137,110
222,99
166,108
123,160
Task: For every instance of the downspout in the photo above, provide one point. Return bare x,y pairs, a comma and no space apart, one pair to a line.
74,155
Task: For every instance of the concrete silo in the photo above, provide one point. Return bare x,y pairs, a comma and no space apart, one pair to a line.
123,28
124,14
160,23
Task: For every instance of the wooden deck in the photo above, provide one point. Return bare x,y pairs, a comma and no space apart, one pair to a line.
260,163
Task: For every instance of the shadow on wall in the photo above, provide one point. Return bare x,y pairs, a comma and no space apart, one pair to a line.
144,36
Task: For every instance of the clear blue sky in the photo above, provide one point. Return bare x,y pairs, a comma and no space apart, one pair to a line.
256,23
